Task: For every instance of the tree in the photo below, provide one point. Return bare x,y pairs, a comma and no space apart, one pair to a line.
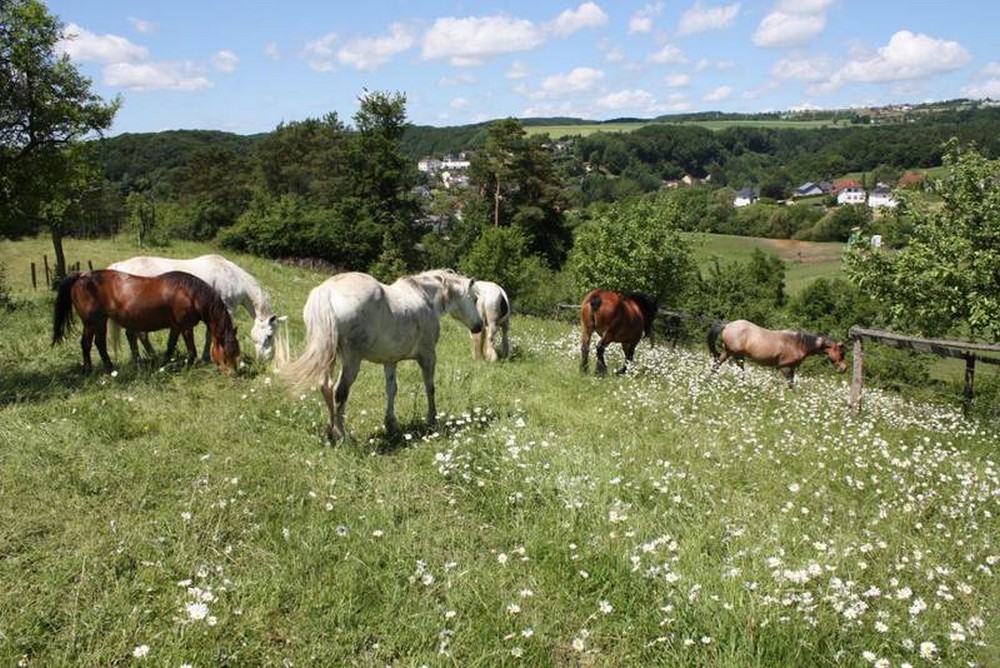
634,246
515,178
46,107
947,279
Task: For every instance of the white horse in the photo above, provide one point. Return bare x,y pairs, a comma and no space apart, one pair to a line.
236,287
494,308
352,317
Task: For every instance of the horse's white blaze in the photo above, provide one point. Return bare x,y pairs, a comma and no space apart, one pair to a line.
352,317
236,286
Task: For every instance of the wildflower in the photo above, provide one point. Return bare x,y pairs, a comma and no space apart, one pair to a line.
186,516
141,651
579,644
197,611
868,656
513,608
516,652
342,531
527,632
502,558
605,607
928,650
706,640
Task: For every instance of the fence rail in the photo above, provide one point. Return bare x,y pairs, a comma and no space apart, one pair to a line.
970,352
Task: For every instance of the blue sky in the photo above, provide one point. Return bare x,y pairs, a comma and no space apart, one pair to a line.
247,66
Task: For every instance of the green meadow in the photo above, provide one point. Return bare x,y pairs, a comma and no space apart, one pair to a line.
585,129
174,516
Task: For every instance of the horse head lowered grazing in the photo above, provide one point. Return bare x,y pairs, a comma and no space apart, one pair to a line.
352,317
235,286
784,349
625,318
176,301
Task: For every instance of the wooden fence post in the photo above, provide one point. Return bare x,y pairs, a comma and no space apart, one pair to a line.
48,279
970,375
34,277
857,373
90,265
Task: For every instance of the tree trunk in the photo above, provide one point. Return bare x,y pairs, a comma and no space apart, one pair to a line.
57,245
496,205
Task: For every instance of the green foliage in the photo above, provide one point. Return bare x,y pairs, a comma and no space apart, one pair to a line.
514,183
7,302
839,224
634,246
46,105
947,279
753,290
832,306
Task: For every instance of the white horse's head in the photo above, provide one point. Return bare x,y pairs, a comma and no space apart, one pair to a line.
460,300
264,332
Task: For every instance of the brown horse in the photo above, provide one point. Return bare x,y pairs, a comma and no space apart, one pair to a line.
175,300
784,349
625,318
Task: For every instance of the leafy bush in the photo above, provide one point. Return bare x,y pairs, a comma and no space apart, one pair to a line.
634,246
753,290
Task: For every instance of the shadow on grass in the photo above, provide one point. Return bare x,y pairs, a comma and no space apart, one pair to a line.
416,431
18,385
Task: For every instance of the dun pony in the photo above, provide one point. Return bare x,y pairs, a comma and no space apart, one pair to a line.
784,349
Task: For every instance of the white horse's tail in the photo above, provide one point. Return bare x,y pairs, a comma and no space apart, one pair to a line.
321,343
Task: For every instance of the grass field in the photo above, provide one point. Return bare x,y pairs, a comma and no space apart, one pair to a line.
804,261
584,129
669,517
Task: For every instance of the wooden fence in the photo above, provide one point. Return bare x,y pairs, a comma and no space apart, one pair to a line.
970,352
49,275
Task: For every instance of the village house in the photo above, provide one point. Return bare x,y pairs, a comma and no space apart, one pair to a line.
746,197
881,196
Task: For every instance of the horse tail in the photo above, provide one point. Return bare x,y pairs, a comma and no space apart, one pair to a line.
62,314
321,342
713,334
595,306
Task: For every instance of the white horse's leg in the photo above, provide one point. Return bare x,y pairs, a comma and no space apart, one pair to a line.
427,364
390,398
336,397
477,345
505,339
489,334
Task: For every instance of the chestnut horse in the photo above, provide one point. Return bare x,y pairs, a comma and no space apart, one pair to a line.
175,300
625,318
784,349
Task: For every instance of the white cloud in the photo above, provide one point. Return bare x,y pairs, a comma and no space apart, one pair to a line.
83,45
804,6
272,51
989,88
369,53
785,29
907,56
803,69
459,103
517,70
225,61
471,40
457,80
678,80
319,52
634,101
144,27
991,70
580,80
587,15
181,76
719,94
700,19
668,54
642,20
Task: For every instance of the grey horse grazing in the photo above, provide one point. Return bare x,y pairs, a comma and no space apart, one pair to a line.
352,317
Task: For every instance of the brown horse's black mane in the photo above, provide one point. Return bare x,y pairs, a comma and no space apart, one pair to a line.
811,341
215,313
647,305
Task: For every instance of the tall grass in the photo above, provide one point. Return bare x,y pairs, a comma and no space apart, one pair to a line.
670,517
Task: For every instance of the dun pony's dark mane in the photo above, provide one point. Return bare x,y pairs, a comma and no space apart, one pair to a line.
810,340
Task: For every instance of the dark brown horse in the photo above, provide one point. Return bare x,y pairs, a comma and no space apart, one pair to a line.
784,349
175,300
625,318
